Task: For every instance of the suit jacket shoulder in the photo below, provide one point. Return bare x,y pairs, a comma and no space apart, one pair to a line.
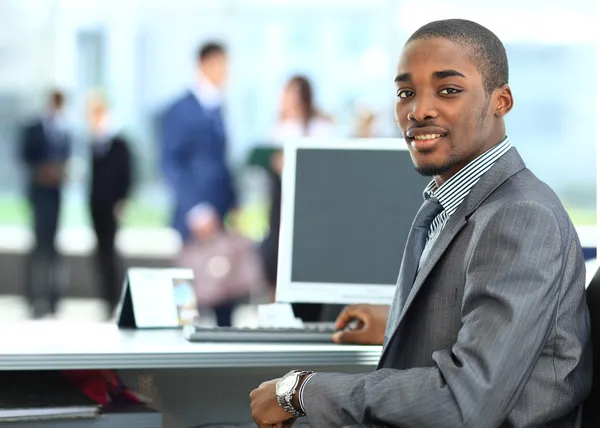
525,187
120,143
183,104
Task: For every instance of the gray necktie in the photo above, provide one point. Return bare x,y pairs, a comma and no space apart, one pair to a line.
417,239
415,245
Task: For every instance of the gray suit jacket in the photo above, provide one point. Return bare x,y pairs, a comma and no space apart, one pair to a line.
495,330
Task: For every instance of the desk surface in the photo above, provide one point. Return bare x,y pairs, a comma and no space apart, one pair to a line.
53,345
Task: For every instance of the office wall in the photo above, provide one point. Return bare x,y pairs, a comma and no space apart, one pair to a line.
142,52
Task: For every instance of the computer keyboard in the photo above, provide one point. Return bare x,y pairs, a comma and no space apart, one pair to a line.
318,332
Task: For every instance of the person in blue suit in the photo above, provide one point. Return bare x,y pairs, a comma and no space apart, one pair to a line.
45,150
193,146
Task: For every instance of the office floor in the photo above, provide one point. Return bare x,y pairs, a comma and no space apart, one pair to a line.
13,309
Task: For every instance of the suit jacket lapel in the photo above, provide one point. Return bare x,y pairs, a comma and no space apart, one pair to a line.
504,168
213,116
453,226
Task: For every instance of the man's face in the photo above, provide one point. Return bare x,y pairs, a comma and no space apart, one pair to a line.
215,68
96,114
441,106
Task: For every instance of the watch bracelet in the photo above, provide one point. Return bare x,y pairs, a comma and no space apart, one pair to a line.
287,399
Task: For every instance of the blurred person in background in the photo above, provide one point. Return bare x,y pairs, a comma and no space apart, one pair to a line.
111,182
365,123
45,151
193,147
298,117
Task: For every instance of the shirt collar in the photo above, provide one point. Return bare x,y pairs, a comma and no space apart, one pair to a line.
207,94
55,121
455,190
103,138
108,129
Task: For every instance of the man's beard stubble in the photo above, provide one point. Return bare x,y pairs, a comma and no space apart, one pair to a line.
431,170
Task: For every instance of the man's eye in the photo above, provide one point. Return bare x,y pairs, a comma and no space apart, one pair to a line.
450,91
403,93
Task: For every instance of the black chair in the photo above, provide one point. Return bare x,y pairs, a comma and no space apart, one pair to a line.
591,407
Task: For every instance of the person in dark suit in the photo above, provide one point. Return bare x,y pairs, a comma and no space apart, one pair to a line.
45,150
111,182
193,147
489,325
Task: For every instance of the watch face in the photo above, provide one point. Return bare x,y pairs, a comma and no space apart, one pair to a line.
285,385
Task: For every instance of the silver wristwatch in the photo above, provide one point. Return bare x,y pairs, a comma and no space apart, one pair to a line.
285,390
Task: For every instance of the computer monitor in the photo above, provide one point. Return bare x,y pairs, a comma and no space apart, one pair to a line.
347,208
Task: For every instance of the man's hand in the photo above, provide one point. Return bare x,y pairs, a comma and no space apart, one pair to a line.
203,222
118,209
370,328
266,411
50,174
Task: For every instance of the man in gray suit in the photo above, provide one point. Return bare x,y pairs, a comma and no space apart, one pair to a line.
489,326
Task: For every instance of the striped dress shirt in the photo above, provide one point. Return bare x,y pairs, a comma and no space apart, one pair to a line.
454,191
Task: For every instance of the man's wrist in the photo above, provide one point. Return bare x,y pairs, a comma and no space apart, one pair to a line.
297,401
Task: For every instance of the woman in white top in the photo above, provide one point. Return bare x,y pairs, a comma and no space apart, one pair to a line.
298,116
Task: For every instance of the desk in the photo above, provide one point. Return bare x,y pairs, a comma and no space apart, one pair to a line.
193,383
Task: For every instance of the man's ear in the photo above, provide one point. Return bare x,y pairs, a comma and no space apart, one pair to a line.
503,100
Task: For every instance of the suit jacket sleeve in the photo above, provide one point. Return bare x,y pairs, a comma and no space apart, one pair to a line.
29,154
68,147
177,174
187,182
125,169
509,304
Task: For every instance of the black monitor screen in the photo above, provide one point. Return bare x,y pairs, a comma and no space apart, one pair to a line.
352,213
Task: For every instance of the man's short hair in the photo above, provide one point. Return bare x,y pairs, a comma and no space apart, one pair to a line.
486,49
57,99
210,49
